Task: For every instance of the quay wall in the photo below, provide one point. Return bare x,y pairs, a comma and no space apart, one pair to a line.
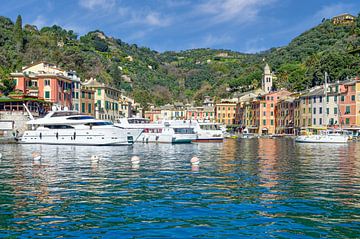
19,117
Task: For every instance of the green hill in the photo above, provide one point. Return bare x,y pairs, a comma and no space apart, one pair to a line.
162,78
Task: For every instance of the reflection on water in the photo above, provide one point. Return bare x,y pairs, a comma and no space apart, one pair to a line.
246,188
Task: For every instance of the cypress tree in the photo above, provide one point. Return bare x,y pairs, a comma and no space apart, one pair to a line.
18,34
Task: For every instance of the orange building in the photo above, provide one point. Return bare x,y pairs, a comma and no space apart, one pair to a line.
153,115
87,101
226,112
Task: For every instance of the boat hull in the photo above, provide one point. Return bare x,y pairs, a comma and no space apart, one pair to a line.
219,140
322,139
98,137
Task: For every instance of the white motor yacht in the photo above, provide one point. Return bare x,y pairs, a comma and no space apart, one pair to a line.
72,128
325,136
208,132
158,132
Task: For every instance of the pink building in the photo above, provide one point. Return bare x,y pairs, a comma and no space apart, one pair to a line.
268,110
347,104
46,82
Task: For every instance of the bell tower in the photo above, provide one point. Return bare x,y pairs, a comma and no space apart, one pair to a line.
267,79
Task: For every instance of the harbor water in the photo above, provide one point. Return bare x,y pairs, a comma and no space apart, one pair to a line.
254,188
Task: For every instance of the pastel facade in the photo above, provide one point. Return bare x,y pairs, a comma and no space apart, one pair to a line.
268,111
297,114
87,102
332,105
285,116
125,106
46,82
305,111
106,100
347,104
226,112
153,115
76,90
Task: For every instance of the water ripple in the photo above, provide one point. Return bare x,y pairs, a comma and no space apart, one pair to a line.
247,188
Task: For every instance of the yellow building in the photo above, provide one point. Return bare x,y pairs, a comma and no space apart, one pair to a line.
297,114
226,112
358,102
305,111
106,100
343,19
125,106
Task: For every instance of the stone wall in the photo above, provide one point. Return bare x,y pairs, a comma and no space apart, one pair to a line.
19,117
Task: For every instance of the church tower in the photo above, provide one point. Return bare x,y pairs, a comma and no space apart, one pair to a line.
267,79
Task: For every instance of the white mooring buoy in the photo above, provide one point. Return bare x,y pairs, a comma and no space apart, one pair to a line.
195,161
135,159
36,157
95,159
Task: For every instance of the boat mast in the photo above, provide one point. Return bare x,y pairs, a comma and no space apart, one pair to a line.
325,100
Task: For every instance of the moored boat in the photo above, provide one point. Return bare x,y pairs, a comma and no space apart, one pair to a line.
159,132
208,132
323,136
72,128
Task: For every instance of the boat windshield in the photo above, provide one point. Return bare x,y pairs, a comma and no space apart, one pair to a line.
210,127
64,113
98,123
184,130
138,121
58,126
82,117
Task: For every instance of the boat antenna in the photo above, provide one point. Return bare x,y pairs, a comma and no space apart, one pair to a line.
28,111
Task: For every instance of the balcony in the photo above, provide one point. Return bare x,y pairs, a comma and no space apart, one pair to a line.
32,91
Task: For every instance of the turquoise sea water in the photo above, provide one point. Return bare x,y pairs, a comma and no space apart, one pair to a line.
256,188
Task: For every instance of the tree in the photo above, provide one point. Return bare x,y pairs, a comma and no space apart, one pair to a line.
7,85
18,33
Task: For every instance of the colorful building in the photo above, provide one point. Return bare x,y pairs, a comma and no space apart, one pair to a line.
87,101
285,116
76,86
106,100
267,114
226,111
347,104
153,115
46,82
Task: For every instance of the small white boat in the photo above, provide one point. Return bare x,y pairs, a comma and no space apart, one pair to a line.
247,135
325,136
159,132
72,128
208,132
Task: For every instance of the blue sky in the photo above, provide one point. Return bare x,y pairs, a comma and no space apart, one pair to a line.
240,25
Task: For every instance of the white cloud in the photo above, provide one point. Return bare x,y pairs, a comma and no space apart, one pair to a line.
175,3
39,21
212,41
255,45
97,4
330,11
148,18
155,19
234,10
